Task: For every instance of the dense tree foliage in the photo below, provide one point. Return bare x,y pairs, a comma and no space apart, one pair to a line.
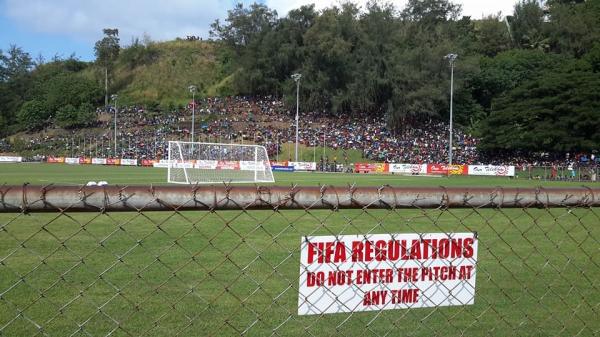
386,61
527,25
33,115
68,116
15,68
14,64
557,110
30,100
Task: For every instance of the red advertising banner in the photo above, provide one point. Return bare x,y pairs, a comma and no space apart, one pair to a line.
84,160
444,169
371,167
56,160
228,165
148,162
437,169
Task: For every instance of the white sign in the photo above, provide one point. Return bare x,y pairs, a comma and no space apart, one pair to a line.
251,166
490,170
350,273
408,168
72,161
128,162
206,164
98,161
303,165
179,164
9,159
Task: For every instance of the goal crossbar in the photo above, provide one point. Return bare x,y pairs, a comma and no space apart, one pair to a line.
203,163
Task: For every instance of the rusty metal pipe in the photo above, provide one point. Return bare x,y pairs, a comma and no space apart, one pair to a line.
28,198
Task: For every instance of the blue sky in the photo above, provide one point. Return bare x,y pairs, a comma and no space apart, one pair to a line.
64,27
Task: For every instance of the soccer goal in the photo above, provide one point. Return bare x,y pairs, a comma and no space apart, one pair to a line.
203,163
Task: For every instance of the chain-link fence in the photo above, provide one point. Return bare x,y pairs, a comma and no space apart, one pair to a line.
229,261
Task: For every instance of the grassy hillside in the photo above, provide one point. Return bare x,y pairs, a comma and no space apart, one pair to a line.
160,73
310,153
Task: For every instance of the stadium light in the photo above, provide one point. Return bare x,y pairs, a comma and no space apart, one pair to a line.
192,89
114,98
297,78
451,58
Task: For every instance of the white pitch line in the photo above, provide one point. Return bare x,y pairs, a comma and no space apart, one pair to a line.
59,183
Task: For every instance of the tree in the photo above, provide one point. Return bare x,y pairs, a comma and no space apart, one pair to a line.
593,57
575,26
70,89
508,70
527,25
330,49
106,51
68,116
15,67
557,111
33,115
244,25
371,88
431,11
12,95
493,36
249,33
14,64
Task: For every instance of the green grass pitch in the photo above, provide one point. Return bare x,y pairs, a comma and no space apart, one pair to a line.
231,272
43,174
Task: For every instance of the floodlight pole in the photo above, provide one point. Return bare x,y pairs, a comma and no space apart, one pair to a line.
316,140
324,144
451,58
114,98
192,89
297,78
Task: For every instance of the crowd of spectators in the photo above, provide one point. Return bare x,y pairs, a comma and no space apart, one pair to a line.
144,134
415,142
542,159
4,146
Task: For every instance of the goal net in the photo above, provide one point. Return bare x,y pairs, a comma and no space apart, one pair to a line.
201,163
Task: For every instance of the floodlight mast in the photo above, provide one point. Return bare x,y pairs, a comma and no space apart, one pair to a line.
192,89
451,58
296,77
114,98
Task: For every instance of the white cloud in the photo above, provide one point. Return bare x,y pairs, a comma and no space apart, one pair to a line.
85,20
477,9
162,20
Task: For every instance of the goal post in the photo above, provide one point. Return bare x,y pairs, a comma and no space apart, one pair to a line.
204,163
